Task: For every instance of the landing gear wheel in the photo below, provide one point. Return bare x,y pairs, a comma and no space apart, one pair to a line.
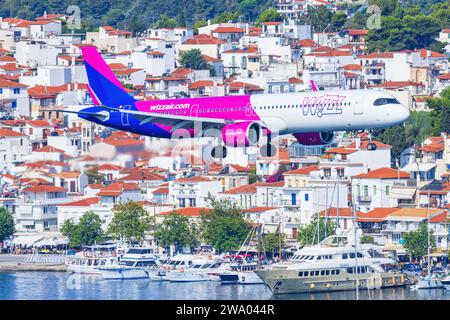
268,150
371,146
219,152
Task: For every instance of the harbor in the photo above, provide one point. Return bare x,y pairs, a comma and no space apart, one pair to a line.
63,286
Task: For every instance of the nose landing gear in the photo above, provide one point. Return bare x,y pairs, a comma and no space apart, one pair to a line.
219,152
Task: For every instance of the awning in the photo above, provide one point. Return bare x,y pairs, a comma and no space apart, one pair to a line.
423,167
26,240
402,193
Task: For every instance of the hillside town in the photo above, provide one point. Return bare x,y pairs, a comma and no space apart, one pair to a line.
56,166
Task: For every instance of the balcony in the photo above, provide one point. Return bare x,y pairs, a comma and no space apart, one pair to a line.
364,198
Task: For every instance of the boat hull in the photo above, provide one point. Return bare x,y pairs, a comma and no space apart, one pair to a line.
286,282
124,274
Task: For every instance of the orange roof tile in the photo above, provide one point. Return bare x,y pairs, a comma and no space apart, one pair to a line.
86,202
48,148
10,133
342,212
376,215
188,211
192,179
303,171
44,188
383,173
259,209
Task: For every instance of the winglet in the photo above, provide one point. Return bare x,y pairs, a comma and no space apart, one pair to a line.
313,86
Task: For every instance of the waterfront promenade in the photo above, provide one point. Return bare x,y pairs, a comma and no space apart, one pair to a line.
14,262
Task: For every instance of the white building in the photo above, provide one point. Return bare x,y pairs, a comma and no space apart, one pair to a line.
193,192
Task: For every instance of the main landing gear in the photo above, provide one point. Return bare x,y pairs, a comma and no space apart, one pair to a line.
370,146
268,150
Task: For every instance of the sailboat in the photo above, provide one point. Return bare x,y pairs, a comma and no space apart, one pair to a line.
428,281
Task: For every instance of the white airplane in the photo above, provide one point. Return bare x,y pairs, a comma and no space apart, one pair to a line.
312,117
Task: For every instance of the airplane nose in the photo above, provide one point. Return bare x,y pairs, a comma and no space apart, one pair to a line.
402,114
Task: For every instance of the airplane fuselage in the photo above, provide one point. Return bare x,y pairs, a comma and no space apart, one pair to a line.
283,113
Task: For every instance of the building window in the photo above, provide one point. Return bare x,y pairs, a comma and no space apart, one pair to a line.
306,197
16,90
387,190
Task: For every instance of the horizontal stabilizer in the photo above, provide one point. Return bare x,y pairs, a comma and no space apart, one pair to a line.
102,115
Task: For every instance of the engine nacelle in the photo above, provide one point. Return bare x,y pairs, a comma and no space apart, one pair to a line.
241,134
314,138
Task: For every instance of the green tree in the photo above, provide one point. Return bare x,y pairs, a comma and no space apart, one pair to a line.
319,18
440,112
338,20
224,226
164,22
270,242
179,231
270,15
226,17
416,242
84,233
181,19
94,176
6,224
199,24
130,221
113,17
193,59
308,234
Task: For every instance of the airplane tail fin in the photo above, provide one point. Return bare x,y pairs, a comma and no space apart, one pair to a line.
104,87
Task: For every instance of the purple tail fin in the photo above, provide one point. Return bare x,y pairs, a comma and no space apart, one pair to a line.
313,86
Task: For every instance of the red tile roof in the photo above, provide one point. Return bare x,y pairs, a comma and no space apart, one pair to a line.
303,171
228,30
10,133
376,215
117,188
201,84
399,84
188,212
44,188
203,39
39,123
381,55
162,190
86,202
192,179
49,149
365,143
250,50
383,173
11,84
142,175
342,212
109,167
358,32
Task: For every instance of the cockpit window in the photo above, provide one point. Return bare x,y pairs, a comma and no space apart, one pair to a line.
384,101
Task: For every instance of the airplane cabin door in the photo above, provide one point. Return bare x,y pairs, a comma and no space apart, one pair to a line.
124,117
358,106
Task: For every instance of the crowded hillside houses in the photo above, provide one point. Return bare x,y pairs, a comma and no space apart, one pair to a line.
47,157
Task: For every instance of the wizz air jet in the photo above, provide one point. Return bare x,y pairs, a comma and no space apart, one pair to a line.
312,117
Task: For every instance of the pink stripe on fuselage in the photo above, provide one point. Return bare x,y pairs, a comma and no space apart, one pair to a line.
236,108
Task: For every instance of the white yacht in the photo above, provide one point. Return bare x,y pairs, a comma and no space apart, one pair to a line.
136,263
199,271
332,265
177,262
90,260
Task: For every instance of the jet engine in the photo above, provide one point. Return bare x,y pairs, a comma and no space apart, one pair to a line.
241,134
314,138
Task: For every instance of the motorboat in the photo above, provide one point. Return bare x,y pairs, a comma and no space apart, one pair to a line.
136,263
92,258
199,271
242,273
446,282
177,262
428,282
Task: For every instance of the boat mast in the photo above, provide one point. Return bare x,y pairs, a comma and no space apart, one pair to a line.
428,234
356,249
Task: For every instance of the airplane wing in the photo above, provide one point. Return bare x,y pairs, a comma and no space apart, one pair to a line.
174,120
